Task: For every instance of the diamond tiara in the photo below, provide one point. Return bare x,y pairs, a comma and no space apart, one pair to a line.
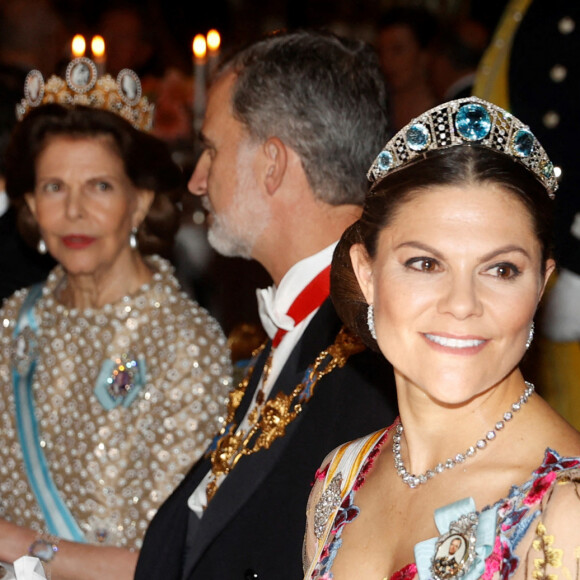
82,86
468,121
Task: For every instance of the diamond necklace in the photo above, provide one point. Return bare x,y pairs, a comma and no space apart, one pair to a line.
414,480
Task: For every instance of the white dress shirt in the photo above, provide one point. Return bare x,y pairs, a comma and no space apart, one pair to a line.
273,303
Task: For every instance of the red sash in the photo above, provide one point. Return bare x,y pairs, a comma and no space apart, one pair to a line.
311,298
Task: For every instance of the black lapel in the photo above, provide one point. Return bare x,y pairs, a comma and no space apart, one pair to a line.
251,470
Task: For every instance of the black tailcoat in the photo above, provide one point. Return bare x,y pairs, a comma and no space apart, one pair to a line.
254,526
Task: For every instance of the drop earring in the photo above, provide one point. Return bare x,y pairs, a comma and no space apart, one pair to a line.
530,335
133,239
371,320
41,246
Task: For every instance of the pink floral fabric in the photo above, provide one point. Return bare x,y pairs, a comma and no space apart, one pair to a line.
538,528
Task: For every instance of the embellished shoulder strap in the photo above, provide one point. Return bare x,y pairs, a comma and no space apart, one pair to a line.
349,459
59,520
345,470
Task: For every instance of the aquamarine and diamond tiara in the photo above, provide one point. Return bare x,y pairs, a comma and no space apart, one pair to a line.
468,121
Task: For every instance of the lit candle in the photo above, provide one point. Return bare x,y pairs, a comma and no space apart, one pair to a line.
199,74
78,46
213,49
98,50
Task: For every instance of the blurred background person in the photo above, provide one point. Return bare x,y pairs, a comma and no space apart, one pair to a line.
457,51
112,380
404,43
32,35
20,264
135,40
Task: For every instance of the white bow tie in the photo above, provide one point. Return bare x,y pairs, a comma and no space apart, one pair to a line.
272,319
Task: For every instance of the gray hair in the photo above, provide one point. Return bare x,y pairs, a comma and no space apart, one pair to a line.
323,96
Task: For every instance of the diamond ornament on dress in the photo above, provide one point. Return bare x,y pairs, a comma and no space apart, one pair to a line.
329,500
469,121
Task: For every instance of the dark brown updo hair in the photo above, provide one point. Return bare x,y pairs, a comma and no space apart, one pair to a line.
146,159
461,165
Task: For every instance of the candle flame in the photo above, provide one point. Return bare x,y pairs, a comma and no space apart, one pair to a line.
213,40
78,45
98,46
199,46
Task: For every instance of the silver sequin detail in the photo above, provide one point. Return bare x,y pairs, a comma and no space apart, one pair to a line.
329,501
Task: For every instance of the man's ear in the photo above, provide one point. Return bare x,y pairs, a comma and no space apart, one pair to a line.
362,267
276,157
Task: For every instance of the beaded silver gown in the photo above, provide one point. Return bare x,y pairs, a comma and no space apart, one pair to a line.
125,399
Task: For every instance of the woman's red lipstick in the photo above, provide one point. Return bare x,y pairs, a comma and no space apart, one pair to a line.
77,242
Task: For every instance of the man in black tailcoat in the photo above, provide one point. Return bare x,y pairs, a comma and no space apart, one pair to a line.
292,124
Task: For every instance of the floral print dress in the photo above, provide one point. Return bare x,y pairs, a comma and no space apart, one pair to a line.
534,532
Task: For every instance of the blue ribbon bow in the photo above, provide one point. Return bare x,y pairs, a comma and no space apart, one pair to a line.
444,517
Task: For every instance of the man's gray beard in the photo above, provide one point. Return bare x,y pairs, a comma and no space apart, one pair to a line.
235,231
224,240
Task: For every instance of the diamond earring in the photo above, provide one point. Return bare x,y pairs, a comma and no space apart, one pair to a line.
41,246
133,239
371,320
530,335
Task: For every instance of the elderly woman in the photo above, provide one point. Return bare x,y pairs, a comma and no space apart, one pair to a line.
478,477
112,380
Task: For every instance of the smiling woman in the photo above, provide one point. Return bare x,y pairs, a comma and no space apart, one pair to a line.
463,309
443,274
112,380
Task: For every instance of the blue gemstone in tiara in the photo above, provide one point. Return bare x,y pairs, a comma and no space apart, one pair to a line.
466,122
523,143
418,137
385,160
473,122
547,170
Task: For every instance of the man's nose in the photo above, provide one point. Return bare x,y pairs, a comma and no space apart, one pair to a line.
198,181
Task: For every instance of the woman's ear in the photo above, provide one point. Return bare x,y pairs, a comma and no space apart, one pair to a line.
362,267
276,161
145,199
550,267
30,200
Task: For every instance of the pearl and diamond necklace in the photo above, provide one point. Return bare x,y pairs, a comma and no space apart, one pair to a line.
414,480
